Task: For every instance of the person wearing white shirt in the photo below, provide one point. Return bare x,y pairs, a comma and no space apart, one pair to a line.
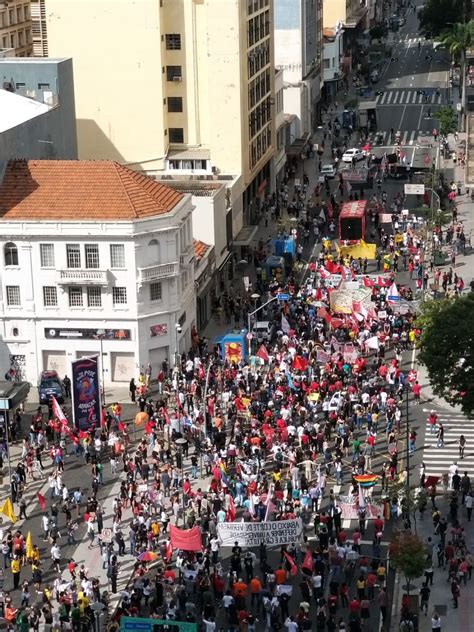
291,625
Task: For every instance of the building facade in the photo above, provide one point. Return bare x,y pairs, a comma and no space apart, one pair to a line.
334,69
38,114
15,27
208,112
298,51
95,259
38,28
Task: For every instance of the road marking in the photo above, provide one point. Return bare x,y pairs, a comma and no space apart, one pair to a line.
397,94
389,100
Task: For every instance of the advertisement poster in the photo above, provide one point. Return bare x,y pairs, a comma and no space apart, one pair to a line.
86,393
233,351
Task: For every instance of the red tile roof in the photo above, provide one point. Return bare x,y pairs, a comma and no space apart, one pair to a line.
200,249
81,190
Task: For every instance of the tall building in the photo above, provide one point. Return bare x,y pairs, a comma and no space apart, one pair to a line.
37,119
184,87
38,28
95,259
15,26
298,51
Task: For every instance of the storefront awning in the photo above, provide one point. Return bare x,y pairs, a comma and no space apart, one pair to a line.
353,21
297,146
245,236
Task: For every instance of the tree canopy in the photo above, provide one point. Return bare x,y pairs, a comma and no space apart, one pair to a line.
437,14
446,348
458,38
447,120
408,555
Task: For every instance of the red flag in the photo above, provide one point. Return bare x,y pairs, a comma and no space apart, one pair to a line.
41,501
308,561
185,539
299,363
57,411
368,282
169,551
291,562
263,354
231,513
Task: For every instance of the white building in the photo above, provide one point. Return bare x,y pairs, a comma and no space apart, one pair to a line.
95,259
298,52
333,61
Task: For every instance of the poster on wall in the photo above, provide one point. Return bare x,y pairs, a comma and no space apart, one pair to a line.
86,393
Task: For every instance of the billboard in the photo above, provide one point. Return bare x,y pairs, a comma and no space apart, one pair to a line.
86,393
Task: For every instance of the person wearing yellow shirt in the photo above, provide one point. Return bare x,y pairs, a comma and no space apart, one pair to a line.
16,571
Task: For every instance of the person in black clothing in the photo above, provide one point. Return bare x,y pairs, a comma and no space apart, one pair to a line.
425,597
67,386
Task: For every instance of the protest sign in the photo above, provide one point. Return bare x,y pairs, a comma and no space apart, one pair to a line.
272,533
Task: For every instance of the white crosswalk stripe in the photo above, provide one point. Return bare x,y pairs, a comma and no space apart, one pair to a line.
438,460
408,97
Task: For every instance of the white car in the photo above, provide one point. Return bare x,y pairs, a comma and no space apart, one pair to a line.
358,154
327,171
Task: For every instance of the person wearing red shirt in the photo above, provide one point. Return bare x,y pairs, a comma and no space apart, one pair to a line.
378,524
342,537
416,388
354,607
356,540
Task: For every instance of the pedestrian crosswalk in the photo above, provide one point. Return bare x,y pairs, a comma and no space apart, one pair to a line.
437,460
409,97
407,137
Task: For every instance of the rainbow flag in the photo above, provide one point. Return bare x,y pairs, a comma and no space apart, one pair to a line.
366,480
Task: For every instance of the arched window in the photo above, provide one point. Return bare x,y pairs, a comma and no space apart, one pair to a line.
154,254
11,254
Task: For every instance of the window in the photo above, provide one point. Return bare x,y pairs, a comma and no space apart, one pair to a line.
154,252
173,41
176,135
119,295
94,297
47,255
175,104
13,295
75,297
155,292
173,73
44,86
73,252
11,254
92,255
117,256
20,85
50,296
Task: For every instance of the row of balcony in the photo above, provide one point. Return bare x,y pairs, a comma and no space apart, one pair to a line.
149,274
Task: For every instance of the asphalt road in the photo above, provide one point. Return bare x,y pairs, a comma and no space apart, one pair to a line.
414,68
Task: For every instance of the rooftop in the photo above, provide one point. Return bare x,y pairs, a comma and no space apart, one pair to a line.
193,187
200,249
67,190
16,109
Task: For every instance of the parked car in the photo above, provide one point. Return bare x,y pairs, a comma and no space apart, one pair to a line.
49,385
358,154
327,171
264,331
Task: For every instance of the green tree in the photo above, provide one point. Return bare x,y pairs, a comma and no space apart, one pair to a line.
446,348
436,14
408,555
447,120
458,38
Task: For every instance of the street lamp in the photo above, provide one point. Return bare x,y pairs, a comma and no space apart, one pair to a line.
101,334
181,442
178,332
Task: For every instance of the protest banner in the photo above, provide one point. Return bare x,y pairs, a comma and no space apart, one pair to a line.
272,533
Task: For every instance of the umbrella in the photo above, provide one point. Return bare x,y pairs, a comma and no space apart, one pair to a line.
147,556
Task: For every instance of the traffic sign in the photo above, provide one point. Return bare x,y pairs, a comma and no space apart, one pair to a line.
283,297
414,189
412,376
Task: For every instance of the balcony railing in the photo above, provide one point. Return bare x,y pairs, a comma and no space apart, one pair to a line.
155,273
81,277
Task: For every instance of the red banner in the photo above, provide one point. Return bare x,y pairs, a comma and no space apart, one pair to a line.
185,539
